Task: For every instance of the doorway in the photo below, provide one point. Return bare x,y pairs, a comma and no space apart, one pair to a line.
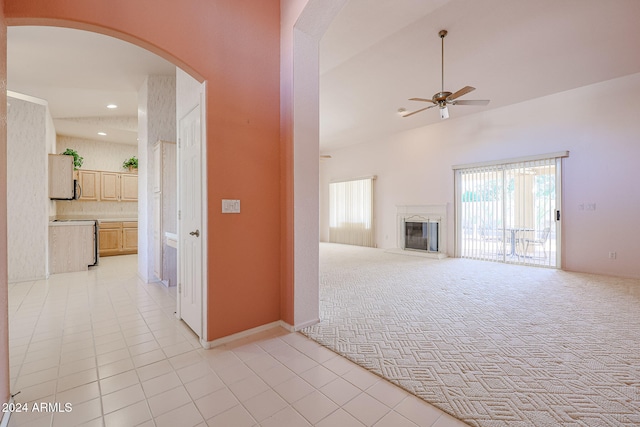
510,212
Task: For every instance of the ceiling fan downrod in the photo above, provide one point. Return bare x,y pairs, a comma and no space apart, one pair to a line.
442,34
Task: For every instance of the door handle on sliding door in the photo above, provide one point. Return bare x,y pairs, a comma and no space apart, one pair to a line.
195,233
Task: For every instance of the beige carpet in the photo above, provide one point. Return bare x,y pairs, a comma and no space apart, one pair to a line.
491,344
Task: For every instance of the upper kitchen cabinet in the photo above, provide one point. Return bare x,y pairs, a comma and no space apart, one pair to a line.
121,187
109,186
128,187
89,185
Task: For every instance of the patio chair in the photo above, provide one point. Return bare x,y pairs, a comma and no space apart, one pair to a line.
539,240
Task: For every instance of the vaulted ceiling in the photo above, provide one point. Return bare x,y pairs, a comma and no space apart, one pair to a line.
377,54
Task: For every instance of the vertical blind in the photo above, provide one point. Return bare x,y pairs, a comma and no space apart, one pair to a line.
507,212
351,212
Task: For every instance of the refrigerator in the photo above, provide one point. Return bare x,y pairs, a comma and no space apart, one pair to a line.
62,186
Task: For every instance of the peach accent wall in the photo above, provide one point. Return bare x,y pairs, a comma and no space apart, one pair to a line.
235,46
4,307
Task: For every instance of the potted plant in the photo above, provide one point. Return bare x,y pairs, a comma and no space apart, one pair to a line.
131,164
77,160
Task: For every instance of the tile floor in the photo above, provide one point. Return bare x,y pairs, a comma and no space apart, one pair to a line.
110,346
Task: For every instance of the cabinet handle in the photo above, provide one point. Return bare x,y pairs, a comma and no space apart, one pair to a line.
195,233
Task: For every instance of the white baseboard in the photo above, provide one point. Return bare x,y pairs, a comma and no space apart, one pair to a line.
306,324
279,323
243,334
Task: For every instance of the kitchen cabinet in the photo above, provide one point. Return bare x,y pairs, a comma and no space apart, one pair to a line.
109,186
128,187
71,246
118,238
130,237
89,185
118,187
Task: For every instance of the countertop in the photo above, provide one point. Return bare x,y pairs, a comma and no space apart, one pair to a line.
66,222
117,220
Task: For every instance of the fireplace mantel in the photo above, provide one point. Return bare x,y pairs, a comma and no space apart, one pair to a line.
422,213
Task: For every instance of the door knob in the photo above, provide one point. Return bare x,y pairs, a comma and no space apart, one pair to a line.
195,233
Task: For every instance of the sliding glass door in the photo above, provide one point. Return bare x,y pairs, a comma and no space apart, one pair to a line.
510,212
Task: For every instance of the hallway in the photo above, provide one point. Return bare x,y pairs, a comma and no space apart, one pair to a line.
108,345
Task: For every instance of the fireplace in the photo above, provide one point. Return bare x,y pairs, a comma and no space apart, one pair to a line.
422,235
422,231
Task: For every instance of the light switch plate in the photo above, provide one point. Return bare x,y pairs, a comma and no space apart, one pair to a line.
230,206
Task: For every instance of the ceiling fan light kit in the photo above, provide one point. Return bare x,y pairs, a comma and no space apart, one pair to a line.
444,98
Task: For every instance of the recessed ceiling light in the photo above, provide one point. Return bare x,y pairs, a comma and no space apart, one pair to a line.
112,106
102,134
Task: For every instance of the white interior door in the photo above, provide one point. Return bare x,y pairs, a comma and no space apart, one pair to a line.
190,232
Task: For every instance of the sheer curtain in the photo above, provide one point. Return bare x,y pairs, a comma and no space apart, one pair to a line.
351,212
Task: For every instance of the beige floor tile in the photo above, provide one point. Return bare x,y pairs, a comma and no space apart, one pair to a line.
340,418
168,401
204,385
393,419
154,370
193,372
366,409
387,393
185,416
80,413
216,403
248,387
161,384
315,406
79,394
131,415
118,382
294,389
448,421
418,411
287,417
318,376
115,368
340,391
264,405
77,379
236,417
122,398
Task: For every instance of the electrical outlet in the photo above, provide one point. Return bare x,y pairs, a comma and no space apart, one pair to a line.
612,255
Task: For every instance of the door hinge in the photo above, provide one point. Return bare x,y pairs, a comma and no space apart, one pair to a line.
179,214
179,287
557,214
179,142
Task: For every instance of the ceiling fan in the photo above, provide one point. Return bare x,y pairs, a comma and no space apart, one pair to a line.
442,98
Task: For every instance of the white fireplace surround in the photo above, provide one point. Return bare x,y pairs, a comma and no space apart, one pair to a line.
422,213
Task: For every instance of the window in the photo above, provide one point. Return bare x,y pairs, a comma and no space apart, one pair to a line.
351,212
510,211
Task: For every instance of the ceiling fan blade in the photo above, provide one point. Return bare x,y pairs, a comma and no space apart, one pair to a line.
470,102
422,100
465,90
417,111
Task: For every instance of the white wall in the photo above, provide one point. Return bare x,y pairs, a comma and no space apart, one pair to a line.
156,121
598,124
28,202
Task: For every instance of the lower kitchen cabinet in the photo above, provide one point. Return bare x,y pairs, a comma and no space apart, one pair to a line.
118,238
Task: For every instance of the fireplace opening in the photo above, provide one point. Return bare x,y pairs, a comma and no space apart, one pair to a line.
421,236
